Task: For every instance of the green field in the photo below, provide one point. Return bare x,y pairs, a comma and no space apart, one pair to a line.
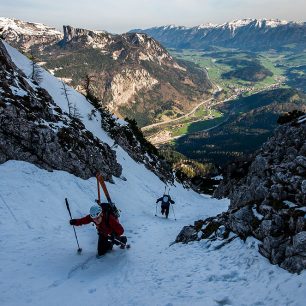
192,127
201,119
217,63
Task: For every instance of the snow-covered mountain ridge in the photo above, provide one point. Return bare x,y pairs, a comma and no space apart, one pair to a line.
258,34
27,28
39,247
272,23
26,33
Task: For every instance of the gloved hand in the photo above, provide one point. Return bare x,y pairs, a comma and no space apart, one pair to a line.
156,201
73,222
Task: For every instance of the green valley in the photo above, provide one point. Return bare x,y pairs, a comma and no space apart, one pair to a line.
251,91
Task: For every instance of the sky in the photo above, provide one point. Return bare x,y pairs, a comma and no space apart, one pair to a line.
118,16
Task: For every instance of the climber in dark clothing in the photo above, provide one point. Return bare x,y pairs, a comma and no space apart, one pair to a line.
165,204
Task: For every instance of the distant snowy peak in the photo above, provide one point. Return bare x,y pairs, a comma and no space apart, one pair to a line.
207,25
23,34
26,28
173,27
245,24
272,23
238,23
259,34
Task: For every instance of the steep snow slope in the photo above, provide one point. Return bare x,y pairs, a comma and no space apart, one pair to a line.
39,264
40,246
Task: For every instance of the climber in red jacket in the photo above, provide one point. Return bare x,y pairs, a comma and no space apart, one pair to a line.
109,229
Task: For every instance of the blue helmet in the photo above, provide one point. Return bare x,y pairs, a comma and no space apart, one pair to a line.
95,211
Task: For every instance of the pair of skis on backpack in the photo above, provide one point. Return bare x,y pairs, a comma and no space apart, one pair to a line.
109,208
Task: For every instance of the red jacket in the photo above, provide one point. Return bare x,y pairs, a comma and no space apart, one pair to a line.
104,228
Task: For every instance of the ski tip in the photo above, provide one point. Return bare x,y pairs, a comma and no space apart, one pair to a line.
127,246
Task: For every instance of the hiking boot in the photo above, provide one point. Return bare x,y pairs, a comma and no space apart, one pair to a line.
123,239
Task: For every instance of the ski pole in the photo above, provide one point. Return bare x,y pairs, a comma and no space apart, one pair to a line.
156,209
173,212
125,245
68,208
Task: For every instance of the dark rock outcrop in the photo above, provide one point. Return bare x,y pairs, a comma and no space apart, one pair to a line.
268,199
34,129
70,33
187,234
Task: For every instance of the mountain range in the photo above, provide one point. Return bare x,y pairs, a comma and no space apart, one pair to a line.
134,76
247,34
131,74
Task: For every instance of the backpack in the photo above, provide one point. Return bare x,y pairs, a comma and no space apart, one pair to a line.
110,208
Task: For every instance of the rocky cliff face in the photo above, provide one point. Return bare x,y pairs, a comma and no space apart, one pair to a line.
131,74
34,129
118,46
255,34
268,199
276,174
